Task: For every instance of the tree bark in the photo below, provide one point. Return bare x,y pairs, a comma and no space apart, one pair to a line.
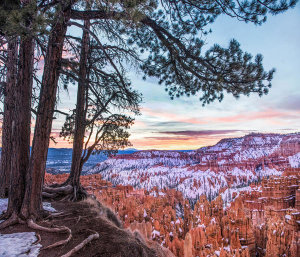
33,196
11,78
80,118
21,117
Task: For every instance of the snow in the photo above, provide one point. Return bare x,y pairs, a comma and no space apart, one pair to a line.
19,244
288,217
295,160
191,173
227,248
4,202
202,226
155,233
227,195
3,205
47,206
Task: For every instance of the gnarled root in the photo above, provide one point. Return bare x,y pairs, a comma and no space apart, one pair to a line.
14,219
82,244
49,195
38,239
4,215
62,229
59,243
58,190
59,185
65,193
57,215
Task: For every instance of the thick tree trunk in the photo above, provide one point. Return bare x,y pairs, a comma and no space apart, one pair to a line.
80,118
21,117
11,78
33,197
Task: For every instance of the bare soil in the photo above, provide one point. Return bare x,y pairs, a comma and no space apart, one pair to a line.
84,219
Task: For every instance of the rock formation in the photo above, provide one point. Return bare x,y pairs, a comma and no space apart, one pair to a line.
230,163
240,197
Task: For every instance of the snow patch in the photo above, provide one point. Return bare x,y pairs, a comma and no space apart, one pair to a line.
4,202
295,160
19,244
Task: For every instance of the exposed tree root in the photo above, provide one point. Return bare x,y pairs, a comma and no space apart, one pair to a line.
62,229
9,222
79,218
59,243
49,195
15,219
57,215
60,190
82,244
67,182
4,216
39,239
65,193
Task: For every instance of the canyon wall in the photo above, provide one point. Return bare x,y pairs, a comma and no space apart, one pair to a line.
233,162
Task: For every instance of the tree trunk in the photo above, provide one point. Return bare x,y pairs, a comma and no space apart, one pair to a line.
80,118
11,78
21,117
33,197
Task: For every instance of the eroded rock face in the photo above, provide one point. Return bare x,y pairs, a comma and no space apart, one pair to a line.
191,219
275,214
230,163
253,224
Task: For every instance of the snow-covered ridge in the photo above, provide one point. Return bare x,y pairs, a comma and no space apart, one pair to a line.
235,162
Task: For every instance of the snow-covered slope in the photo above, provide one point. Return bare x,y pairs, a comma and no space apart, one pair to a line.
234,162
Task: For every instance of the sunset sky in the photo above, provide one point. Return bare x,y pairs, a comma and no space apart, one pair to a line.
184,124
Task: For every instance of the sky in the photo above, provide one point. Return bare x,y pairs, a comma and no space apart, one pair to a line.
183,123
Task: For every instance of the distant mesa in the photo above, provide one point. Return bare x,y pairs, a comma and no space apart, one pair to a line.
131,149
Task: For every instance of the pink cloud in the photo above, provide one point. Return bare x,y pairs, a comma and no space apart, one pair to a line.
171,116
269,115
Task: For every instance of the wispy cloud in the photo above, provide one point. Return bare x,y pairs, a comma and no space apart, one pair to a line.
192,133
185,139
263,114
